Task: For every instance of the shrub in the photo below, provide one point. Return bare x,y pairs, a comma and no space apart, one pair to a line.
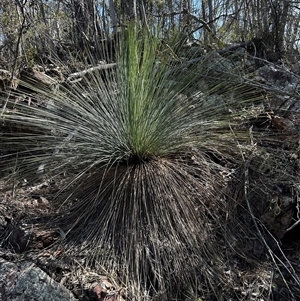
146,152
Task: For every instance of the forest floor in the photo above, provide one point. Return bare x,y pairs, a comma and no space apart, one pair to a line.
26,238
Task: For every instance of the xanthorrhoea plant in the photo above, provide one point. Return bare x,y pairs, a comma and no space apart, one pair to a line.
145,157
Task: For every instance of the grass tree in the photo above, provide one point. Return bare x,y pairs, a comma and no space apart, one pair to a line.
144,153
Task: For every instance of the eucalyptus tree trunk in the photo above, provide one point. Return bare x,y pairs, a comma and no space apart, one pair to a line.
87,28
113,16
204,17
172,16
132,10
279,14
79,22
293,28
46,40
264,13
211,16
282,25
143,13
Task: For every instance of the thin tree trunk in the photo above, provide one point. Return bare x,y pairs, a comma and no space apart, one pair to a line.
282,26
80,23
211,16
132,9
113,16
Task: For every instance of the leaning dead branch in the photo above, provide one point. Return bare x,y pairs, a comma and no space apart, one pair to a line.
76,75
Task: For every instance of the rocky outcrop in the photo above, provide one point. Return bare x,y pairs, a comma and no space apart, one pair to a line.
27,282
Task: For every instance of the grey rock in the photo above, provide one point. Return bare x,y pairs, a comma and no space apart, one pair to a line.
26,282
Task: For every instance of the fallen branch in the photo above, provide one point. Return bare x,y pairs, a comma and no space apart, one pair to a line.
90,70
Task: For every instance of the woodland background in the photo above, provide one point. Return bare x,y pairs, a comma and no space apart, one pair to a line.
33,31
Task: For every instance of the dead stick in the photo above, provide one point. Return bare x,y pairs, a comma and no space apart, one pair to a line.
90,70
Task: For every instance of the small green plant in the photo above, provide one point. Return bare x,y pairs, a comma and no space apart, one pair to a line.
146,149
